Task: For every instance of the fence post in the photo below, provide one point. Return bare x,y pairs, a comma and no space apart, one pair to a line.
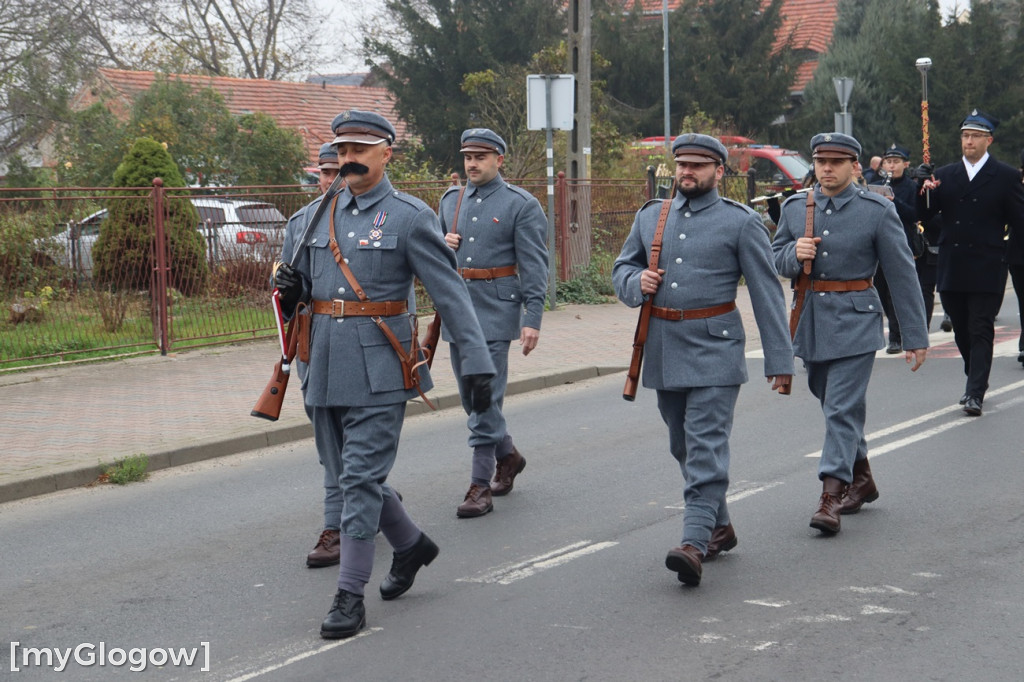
562,226
159,280
650,182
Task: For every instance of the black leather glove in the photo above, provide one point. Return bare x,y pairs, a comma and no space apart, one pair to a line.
288,282
774,209
478,386
923,172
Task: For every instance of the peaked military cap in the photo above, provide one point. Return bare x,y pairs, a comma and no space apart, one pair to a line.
482,140
897,151
328,156
979,120
698,148
832,145
364,127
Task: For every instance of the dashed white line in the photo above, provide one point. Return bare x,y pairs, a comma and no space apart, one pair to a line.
304,655
928,433
523,569
765,602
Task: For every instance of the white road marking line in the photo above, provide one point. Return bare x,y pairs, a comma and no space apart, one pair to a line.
709,638
764,602
870,610
764,645
824,618
926,574
928,433
524,569
736,495
304,655
884,589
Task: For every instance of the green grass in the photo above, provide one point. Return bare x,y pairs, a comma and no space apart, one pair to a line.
128,470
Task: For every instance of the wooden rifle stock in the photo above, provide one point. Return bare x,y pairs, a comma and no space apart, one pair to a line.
803,283
432,338
644,321
268,406
639,339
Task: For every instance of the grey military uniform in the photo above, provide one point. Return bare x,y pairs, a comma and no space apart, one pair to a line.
697,365
839,331
501,225
354,383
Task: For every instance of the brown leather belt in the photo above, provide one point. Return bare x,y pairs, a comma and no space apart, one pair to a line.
849,285
339,308
695,314
487,273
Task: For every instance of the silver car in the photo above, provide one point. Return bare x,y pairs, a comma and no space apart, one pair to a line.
233,229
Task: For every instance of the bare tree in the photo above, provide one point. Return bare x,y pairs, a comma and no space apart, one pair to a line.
269,39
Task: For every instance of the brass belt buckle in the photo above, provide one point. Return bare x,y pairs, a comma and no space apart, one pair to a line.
337,308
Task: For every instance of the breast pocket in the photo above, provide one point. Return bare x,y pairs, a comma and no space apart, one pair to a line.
320,257
377,252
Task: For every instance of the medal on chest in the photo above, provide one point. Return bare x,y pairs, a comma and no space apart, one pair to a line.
378,222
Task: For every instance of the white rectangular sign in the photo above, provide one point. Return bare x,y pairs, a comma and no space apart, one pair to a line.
562,91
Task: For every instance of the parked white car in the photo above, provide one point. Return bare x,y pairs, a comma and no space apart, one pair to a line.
233,229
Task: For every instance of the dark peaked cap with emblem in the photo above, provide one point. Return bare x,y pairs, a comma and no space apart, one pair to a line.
979,120
328,156
697,148
897,151
482,140
832,145
363,127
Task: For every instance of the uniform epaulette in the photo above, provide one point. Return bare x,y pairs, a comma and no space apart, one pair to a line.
739,204
416,203
650,202
802,195
518,190
453,188
873,196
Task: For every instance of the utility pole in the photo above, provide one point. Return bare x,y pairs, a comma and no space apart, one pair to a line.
579,66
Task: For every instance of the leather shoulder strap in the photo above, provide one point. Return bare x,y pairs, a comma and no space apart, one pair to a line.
659,234
336,251
458,206
809,225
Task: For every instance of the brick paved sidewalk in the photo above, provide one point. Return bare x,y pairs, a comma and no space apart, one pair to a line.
60,426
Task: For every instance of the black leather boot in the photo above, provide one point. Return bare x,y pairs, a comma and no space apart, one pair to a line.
405,565
346,617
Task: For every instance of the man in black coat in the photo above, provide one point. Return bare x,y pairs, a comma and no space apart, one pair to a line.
978,197
1015,259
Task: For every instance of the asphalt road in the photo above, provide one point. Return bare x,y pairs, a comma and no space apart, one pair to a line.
565,580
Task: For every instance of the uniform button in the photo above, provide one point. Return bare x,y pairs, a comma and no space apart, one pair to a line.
376,245
472,239
346,260
340,320
679,260
828,211
513,297
355,211
824,276
341,290
687,214
871,306
351,234
478,200
314,241
682,236
469,260
825,233
725,332
474,219
824,253
821,293
675,285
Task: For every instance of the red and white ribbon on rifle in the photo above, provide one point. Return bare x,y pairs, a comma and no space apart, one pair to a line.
279,318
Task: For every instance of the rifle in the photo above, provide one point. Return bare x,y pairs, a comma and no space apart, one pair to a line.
644,322
268,406
803,283
433,336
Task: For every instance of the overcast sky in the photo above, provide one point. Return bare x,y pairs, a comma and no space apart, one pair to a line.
348,19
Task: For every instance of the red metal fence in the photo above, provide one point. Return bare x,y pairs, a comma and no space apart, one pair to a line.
180,268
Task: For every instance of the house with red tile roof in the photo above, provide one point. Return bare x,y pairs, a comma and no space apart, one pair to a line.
307,108
808,23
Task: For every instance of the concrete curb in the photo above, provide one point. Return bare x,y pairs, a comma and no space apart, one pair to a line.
294,429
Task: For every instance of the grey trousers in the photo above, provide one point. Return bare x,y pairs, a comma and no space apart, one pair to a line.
699,423
486,428
841,386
